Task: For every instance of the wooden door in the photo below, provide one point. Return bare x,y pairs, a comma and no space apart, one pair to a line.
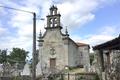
52,63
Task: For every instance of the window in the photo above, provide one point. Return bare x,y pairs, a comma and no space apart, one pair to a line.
51,22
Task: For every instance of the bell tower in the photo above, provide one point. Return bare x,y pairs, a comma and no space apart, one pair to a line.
53,19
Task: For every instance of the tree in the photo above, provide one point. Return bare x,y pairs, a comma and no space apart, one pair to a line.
91,58
4,62
3,56
17,55
16,58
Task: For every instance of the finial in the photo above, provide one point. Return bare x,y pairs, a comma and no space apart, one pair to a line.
53,7
40,34
66,31
119,35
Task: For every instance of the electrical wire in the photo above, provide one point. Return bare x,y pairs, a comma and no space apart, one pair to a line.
17,9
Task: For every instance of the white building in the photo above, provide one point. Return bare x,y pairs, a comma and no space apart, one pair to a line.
58,50
26,70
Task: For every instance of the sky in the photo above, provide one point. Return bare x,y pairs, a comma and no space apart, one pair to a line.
88,21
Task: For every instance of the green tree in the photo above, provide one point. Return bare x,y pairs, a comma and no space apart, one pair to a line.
3,56
17,55
91,58
4,62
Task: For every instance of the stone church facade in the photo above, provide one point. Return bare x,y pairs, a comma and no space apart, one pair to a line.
58,50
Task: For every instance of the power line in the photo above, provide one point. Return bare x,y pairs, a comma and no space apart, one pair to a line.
16,9
21,10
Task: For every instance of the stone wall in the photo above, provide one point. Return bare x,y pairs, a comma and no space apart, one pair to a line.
53,39
80,76
69,76
16,78
84,57
72,54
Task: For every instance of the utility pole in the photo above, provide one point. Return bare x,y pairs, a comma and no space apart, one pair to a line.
34,48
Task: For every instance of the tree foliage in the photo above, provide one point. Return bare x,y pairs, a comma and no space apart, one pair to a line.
3,56
17,55
91,58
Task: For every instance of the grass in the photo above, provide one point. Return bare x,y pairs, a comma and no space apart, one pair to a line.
76,70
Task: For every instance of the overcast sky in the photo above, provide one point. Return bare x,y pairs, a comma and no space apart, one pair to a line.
89,21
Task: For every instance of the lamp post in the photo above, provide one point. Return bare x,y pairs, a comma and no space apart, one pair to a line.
67,70
34,39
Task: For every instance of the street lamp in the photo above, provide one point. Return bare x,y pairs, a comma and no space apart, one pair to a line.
67,70
34,39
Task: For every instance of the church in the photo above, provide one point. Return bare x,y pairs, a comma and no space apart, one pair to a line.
57,50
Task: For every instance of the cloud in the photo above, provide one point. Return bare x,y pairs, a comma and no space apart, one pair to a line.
98,39
3,30
104,34
74,13
22,23
77,13
109,30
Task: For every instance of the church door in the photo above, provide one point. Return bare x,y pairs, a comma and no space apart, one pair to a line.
52,63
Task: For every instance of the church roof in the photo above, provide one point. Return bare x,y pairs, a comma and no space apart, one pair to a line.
81,44
78,44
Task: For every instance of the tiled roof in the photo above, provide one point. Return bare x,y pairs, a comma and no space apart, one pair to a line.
81,44
113,44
